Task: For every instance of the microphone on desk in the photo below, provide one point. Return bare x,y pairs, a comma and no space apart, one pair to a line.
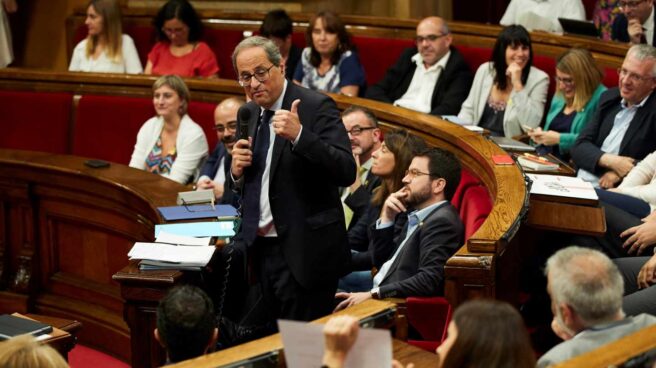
243,116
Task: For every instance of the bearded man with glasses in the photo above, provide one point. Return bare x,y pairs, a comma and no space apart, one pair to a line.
417,232
636,22
432,77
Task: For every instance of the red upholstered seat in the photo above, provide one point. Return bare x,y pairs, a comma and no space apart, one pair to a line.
203,114
36,121
107,126
430,316
475,56
611,78
379,54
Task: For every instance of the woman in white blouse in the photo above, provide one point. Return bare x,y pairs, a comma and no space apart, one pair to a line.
508,93
170,144
106,49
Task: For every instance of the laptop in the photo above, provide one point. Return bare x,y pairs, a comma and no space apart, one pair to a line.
579,27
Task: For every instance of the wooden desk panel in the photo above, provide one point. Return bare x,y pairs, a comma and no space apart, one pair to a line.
564,217
68,230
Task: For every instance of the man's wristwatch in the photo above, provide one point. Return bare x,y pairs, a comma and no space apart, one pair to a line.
375,293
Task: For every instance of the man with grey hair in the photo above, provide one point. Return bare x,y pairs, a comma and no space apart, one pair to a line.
586,300
623,128
288,172
432,77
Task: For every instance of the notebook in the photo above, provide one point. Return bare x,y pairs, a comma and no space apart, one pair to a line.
578,27
11,326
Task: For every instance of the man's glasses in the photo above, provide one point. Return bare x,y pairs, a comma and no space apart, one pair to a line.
431,38
357,130
231,125
630,4
413,173
632,76
261,75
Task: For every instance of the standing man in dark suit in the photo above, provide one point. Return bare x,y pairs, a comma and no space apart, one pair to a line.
624,126
365,136
216,169
410,250
636,23
293,223
431,78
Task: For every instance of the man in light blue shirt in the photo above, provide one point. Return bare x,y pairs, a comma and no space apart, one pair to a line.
410,249
624,126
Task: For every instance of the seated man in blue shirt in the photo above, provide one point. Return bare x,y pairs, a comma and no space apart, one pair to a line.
410,249
623,128
214,170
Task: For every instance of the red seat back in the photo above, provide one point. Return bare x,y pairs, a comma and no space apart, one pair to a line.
611,78
473,202
203,114
430,317
475,56
36,121
379,54
107,126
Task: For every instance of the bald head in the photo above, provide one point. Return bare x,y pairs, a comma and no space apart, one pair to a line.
433,40
225,121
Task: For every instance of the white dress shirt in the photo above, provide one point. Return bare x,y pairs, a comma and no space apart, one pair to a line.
419,95
542,14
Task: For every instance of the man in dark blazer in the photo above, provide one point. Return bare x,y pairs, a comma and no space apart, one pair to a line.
635,23
432,77
410,250
365,136
623,128
216,169
293,222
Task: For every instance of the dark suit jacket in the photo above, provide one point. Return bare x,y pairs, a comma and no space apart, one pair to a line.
292,60
619,31
303,189
211,166
450,91
360,239
638,141
419,269
360,200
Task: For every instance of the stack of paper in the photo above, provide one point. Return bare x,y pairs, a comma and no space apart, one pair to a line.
173,251
537,163
556,186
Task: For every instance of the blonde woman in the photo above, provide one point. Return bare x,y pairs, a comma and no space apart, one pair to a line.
578,84
170,144
25,351
106,49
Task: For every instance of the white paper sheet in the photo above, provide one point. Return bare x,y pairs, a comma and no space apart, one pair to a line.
187,255
303,344
562,186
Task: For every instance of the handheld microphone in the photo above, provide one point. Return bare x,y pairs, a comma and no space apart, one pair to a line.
243,116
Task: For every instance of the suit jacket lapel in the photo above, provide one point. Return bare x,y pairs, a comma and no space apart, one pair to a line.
636,124
411,240
279,143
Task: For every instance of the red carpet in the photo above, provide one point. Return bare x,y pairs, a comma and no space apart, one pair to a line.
83,357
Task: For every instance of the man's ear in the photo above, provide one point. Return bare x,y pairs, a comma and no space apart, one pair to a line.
438,185
158,338
377,134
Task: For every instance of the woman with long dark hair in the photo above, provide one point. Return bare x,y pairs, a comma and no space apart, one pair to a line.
329,64
508,93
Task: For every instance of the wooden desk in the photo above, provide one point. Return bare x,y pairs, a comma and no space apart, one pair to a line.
401,351
65,229
617,352
62,338
566,217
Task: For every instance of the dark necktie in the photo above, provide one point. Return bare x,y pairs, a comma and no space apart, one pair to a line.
253,180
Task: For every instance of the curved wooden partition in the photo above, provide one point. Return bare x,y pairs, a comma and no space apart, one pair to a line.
65,229
470,272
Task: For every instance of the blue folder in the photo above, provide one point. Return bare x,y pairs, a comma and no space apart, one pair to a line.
221,229
220,211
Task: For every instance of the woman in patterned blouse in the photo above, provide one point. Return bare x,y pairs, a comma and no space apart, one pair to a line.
170,144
